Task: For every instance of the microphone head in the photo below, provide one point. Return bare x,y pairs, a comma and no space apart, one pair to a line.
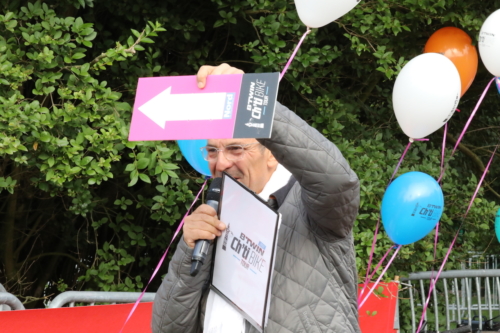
214,189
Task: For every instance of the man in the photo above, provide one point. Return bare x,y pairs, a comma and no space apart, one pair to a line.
314,283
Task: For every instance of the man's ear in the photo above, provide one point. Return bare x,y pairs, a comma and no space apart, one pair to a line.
272,163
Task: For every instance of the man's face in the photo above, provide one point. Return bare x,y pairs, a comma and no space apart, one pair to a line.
253,170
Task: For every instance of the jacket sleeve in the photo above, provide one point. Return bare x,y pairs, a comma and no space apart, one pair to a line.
330,189
176,307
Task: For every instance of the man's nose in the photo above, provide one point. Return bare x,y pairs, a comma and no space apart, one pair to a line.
222,163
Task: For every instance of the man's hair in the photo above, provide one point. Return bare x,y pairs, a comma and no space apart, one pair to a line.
262,148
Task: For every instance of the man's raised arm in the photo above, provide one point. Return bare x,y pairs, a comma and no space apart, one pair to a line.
330,189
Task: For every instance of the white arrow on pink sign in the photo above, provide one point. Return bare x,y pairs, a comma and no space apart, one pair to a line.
174,108
208,106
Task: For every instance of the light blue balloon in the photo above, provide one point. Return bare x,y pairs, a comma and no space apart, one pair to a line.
497,224
191,151
411,207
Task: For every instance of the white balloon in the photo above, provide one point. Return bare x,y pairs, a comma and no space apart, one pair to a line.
489,43
426,94
317,13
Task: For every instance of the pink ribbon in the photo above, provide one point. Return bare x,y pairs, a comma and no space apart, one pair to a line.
472,115
380,277
442,153
163,257
294,52
433,281
436,236
368,278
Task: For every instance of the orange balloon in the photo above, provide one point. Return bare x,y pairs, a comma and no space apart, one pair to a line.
457,46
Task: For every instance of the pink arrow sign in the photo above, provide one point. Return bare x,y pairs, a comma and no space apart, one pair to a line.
174,108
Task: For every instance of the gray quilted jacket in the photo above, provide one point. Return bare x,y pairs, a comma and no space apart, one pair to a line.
314,281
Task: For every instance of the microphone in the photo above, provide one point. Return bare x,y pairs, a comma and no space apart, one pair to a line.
202,245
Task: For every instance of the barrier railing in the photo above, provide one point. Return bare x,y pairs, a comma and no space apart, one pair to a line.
463,297
10,300
92,297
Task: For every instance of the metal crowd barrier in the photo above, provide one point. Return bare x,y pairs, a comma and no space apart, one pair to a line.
92,297
7,299
463,297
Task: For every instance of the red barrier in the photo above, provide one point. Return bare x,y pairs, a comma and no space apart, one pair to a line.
377,314
81,319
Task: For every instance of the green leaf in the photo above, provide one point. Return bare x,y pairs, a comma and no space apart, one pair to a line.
85,67
78,56
146,40
170,166
136,33
143,163
50,175
86,160
130,167
164,178
145,178
218,23
45,136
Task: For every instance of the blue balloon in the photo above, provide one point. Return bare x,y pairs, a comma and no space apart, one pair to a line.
191,151
497,224
411,207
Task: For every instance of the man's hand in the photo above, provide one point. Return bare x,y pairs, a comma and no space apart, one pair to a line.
205,71
202,224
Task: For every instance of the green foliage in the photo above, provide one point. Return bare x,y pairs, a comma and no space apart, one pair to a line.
72,184
64,150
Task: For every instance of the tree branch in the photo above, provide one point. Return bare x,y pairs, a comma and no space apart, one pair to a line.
81,264
131,49
9,232
475,159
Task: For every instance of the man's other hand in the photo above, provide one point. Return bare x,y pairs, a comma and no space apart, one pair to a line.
202,224
205,71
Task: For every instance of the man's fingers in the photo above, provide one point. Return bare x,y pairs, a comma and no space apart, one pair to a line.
203,72
203,230
204,210
221,69
206,70
200,226
234,70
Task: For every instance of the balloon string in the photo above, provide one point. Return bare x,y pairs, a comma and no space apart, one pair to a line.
369,276
472,116
294,52
380,277
434,281
163,257
436,237
399,163
442,153
372,251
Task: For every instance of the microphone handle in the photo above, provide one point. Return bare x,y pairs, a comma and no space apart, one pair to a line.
201,247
